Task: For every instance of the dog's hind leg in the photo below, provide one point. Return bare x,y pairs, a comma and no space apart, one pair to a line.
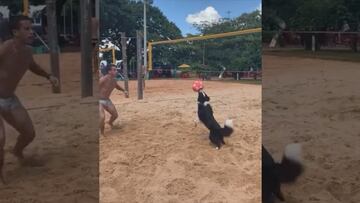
218,142
214,140
279,194
222,140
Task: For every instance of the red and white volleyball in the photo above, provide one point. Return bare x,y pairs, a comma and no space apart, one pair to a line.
197,85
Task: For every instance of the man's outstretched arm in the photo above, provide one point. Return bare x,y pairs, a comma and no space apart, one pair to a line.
122,89
35,68
119,87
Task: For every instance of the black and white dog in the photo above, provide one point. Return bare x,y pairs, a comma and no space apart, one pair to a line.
274,174
205,114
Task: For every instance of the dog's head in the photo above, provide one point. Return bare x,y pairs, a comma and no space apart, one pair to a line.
203,98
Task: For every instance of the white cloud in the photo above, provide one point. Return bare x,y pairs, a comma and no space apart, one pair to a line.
206,16
259,7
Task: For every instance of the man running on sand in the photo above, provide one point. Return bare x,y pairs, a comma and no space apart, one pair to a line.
107,84
15,59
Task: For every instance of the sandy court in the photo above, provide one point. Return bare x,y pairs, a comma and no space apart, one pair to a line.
316,103
159,155
66,142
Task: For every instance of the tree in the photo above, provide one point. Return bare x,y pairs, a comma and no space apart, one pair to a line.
16,6
127,16
310,15
236,53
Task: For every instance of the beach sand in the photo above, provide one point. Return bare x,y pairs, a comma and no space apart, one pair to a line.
160,155
66,144
316,103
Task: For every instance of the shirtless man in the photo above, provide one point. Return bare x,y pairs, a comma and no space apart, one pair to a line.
15,59
107,84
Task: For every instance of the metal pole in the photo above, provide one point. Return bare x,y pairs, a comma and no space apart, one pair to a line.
113,56
145,41
139,65
313,43
42,41
97,15
150,57
204,54
64,18
124,58
26,7
211,36
86,51
71,18
53,42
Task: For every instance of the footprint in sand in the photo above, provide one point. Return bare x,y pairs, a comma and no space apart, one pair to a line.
167,125
281,107
76,126
213,197
303,138
335,188
181,187
32,162
108,194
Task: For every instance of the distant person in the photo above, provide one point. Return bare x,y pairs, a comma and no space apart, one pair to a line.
15,59
107,84
345,27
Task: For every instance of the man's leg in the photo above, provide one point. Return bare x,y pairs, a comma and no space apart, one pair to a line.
2,145
19,118
102,119
114,114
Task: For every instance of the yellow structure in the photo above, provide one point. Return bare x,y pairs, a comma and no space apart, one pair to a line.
26,7
184,66
113,53
212,36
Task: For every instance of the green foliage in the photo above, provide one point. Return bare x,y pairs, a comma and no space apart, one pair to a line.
127,16
311,14
241,52
235,53
16,6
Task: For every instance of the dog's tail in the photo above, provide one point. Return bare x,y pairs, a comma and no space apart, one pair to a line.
291,166
228,128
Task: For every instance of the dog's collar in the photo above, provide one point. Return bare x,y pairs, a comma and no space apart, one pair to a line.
205,103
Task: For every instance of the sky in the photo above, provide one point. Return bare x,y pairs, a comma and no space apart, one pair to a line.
185,12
